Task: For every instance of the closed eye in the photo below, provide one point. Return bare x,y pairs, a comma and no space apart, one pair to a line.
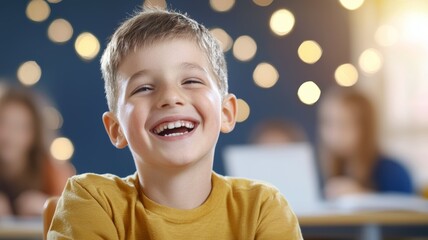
192,81
142,89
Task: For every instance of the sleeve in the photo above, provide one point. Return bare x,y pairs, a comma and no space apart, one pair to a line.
79,215
277,220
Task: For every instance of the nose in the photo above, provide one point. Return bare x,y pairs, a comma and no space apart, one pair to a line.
170,96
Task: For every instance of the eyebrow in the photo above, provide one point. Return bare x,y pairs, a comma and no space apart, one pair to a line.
189,65
184,65
137,74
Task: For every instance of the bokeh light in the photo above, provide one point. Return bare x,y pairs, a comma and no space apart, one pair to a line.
60,31
265,75
87,46
309,93
282,22
225,40
386,36
222,5
309,51
29,73
53,118
62,149
38,10
244,48
155,4
370,61
263,3
413,28
243,110
54,1
351,4
346,75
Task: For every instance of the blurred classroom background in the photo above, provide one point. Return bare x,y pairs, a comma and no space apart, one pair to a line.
283,56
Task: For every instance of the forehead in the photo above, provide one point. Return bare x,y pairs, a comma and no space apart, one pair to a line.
164,55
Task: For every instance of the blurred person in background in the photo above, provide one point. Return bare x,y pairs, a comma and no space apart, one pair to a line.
276,131
349,150
28,174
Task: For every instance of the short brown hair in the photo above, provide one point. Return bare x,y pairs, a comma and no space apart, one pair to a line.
151,25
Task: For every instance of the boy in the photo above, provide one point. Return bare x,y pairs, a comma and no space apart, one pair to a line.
166,87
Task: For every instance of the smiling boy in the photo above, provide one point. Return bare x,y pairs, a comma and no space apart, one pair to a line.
166,87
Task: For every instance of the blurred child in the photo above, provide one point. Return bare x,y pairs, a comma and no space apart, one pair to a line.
28,176
275,131
350,154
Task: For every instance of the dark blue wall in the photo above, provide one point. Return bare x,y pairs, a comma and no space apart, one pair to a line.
77,88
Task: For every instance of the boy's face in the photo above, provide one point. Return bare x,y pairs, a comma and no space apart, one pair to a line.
170,110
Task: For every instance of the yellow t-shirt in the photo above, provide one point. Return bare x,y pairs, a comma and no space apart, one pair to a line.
108,207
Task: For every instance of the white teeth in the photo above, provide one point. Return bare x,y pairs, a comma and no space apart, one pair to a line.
172,125
175,134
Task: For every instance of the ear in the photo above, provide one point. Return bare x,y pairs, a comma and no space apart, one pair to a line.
114,130
228,113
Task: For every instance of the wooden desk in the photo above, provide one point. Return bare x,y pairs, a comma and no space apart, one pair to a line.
369,224
14,228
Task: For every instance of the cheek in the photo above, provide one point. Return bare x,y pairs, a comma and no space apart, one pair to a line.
208,104
14,142
133,120
353,136
332,135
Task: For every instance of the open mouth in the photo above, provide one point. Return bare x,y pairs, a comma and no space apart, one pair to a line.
174,129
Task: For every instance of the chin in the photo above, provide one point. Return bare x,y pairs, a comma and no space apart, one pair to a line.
177,159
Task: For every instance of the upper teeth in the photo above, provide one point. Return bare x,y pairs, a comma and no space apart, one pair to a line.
172,125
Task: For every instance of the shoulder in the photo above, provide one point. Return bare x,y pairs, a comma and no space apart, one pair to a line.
97,183
392,176
265,207
251,189
390,165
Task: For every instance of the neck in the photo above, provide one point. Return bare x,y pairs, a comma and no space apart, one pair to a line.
183,187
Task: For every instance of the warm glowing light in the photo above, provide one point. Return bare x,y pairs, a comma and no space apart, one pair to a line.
54,1
87,46
282,22
265,75
263,3
243,110
244,48
38,10
351,4
222,5
346,75
224,38
413,28
386,36
62,148
53,118
309,93
29,73
60,31
155,4
370,61
309,52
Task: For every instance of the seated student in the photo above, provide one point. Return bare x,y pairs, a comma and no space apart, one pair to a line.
28,175
353,162
166,85
276,131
